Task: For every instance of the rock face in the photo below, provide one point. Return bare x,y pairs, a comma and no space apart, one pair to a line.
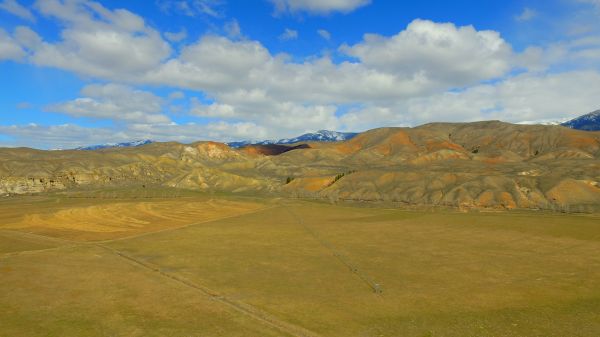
469,165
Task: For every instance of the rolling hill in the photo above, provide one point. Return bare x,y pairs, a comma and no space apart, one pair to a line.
487,164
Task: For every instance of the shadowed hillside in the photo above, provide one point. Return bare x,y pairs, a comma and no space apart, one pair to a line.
469,165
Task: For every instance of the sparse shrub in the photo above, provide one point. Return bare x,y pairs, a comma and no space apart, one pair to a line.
340,176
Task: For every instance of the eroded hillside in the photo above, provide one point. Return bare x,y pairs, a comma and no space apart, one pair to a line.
484,164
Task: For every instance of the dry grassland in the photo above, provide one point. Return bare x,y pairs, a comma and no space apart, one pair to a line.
219,266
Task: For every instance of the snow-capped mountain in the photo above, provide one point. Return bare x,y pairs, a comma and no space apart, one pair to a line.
319,136
110,145
587,122
545,122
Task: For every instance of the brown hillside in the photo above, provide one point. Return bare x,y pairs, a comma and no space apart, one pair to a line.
484,164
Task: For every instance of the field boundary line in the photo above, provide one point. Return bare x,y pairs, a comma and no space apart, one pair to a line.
376,287
46,238
240,307
38,251
59,242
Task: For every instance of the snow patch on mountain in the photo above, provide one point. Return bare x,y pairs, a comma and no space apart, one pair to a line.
319,136
587,122
111,145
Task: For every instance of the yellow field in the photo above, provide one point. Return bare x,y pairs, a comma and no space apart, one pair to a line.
222,266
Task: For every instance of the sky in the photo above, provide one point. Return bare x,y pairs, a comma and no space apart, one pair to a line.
78,72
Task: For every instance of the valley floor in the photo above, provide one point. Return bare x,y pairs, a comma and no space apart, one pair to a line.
212,265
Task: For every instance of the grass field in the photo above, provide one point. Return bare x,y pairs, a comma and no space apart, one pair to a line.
214,265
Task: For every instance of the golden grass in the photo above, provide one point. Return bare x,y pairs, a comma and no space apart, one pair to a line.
102,219
13,242
311,266
88,291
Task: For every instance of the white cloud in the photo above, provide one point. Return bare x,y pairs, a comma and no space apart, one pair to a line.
13,7
526,97
318,6
526,15
288,34
282,118
9,48
405,79
176,36
215,110
425,58
577,53
27,38
441,54
324,34
60,136
67,136
191,132
114,102
192,8
100,43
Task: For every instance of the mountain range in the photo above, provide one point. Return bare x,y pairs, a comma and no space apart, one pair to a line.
319,136
587,122
112,145
477,165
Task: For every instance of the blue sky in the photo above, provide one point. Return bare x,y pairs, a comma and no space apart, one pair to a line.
76,72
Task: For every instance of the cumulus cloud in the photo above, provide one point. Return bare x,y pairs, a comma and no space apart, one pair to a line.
27,38
526,97
440,53
288,34
100,43
114,102
15,8
318,6
248,83
282,118
424,58
426,72
9,48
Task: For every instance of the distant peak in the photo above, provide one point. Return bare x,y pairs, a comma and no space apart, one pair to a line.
111,145
587,122
319,136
